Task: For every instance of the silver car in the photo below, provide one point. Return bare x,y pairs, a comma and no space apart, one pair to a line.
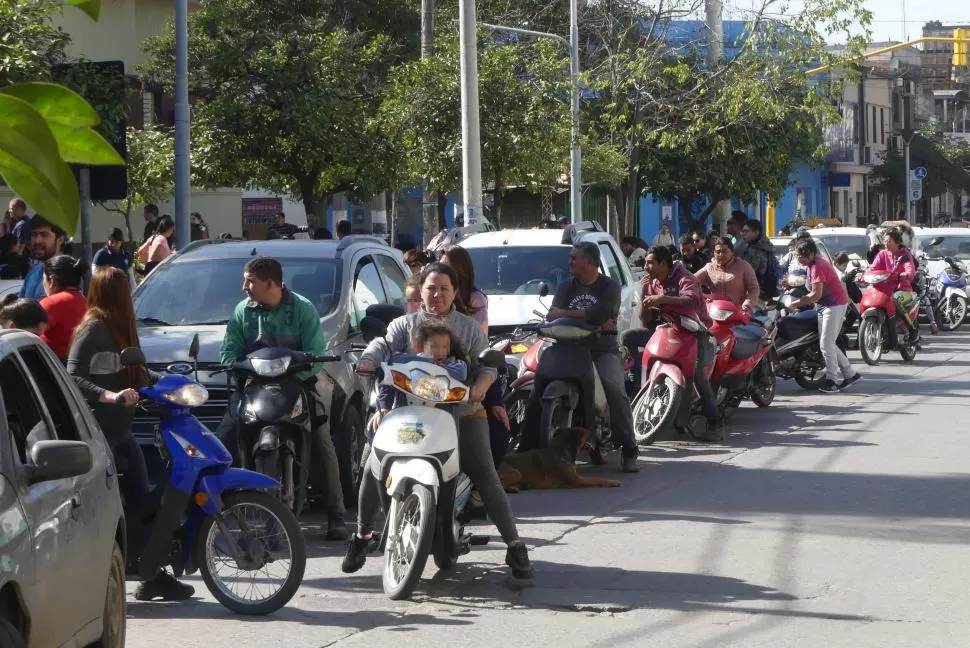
195,292
62,529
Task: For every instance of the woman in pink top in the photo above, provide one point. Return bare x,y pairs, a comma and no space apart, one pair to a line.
156,248
730,276
896,259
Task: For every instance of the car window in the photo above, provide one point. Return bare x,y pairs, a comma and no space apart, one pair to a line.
367,288
206,291
955,246
394,279
848,243
23,411
611,263
61,412
519,270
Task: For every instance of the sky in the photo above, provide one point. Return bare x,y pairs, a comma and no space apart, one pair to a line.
887,18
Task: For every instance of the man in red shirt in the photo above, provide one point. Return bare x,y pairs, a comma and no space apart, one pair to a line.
828,294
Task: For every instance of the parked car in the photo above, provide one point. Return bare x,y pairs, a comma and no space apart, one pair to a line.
10,287
511,265
63,576
851,240
196,290
781,247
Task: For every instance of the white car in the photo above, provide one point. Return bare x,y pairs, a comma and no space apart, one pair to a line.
511,265
854,241
955,244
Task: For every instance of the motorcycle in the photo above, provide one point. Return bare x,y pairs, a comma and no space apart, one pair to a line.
415,456
275,426
798,354
743,363
882,328
948,295
213,517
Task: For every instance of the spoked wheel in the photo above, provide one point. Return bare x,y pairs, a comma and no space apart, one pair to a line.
809,375
764,383
870,341
516,404
907,349
270,567
655,408
954,313
114,619
409,542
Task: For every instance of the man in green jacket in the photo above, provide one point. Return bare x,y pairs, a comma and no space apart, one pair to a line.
273,315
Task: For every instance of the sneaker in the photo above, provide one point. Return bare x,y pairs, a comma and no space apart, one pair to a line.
715,430
848,382
629,464
517,557
337,528
356,556
165,587
829,387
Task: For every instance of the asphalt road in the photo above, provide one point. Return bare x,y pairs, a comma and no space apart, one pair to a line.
825,520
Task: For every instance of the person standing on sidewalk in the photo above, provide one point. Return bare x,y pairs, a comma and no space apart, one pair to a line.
828,293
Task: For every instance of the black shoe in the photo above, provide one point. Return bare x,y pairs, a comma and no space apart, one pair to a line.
164,586
357,550
848,382
715,430
629,464
517,557
337,528
829,387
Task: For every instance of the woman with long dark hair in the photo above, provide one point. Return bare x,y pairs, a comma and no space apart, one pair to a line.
65,304
94,362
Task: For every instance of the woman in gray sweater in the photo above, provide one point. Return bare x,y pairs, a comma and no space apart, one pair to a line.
438,288
94,362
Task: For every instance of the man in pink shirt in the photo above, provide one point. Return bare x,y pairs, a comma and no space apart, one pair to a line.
828,293
731,277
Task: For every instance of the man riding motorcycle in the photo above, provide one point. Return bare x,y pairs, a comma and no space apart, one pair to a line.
671,287
595,299
896,259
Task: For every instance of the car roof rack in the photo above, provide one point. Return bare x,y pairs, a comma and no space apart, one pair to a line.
455,236
570,233
350,239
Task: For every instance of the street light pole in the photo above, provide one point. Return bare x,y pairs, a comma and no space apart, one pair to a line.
471,143
182,232
576,153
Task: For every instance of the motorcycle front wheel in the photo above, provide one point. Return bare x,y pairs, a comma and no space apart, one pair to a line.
764,382
270,568
655,409
409,542
870,341
954,313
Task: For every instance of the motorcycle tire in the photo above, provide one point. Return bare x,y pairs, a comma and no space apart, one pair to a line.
647,427
515,404
293,535
871,341
349,443
908,351
955,314
765,383
555,416
399,588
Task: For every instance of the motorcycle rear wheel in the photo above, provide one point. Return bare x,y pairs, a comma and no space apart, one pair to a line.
516,403
655,412
555,416
406,556
870,341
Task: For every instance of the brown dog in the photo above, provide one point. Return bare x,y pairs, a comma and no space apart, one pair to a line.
550,467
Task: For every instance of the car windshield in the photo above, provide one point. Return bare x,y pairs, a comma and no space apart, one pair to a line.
519,270
956,246
206,291
848,243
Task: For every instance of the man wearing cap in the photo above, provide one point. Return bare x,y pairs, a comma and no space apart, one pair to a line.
113,254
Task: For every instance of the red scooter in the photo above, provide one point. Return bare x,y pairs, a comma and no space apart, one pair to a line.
882,327
744,364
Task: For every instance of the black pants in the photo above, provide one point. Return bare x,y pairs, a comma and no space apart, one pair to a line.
498,434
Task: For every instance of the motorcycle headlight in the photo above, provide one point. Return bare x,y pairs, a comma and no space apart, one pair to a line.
427,387
270,368
876,277
719,314
191,395
297,408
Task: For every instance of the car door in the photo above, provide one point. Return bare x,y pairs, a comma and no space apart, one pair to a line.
629,293
50,512
367,289
393,278
94,497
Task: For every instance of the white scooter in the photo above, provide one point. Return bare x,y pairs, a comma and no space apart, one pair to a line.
415,457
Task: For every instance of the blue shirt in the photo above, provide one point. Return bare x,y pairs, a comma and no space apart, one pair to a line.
22,231
106,257
34,282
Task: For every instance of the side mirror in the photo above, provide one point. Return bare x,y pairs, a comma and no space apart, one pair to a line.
386,313
132,356
372,328
543,289
936,240
492,359
194,347
52,460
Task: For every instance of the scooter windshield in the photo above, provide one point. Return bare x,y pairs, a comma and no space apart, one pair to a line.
456,368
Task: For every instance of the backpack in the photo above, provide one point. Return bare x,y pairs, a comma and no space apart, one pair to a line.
773,274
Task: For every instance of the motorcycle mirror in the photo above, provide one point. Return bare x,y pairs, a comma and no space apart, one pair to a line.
371,328
194,347
492,359
543,289
132,356
936,240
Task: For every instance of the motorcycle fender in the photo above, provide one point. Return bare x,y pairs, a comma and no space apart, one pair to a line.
874,313
665,369
269,438
405,471
562,389
233,479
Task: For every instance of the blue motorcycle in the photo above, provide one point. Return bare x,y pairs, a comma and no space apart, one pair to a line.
226,522
950,297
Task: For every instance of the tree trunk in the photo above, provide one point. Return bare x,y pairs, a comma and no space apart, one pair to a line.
630,208
687,213
442,222
498,197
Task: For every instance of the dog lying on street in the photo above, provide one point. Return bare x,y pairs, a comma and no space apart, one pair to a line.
551,467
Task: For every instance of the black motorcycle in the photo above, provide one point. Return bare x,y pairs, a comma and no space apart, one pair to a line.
798,354
276,418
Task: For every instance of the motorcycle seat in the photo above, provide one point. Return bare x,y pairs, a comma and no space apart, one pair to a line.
748,341
798,324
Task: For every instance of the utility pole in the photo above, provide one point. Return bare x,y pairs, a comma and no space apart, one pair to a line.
715,54
429,198
576,154
471,154
907,133
183,233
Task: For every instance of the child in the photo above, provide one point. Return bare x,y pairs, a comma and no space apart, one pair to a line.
431,341
412,296
26,314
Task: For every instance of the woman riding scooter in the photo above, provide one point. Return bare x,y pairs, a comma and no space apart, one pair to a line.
895,258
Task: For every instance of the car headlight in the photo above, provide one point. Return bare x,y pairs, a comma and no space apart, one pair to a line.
427,387
270,368
191,395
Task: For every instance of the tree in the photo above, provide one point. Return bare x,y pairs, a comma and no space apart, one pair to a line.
30,22
288,92
947,164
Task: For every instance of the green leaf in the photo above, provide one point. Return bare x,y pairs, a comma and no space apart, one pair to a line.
55,103
85,146
91,7
31,164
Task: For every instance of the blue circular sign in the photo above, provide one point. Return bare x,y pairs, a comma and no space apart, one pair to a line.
920,172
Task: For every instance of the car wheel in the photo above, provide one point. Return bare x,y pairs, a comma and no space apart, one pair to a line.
115,607
10,636
350,447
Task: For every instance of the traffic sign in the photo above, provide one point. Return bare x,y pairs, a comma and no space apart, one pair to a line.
916,194
919,172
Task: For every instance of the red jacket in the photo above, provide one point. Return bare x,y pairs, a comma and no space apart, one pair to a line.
64,312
